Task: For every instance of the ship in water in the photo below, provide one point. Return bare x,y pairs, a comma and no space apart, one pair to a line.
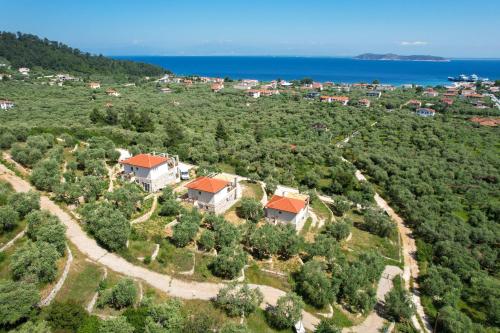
467,78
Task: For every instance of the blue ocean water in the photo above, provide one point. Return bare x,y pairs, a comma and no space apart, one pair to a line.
322,69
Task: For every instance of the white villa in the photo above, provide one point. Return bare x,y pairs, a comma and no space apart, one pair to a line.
152,172
213,194
426,112
5,104
24,70
288,207
112,92
94,85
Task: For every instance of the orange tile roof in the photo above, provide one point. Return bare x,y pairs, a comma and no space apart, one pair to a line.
206,184
145,160
291,205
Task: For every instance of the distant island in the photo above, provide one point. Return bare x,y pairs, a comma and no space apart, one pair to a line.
391,56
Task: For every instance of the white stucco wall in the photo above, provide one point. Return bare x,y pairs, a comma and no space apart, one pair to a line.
153,179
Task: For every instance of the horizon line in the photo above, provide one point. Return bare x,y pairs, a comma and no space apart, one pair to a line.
285,56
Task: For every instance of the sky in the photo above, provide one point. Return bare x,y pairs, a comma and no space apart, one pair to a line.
449,28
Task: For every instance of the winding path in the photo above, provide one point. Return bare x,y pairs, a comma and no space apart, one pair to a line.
163,282
146,216
409,249
166,283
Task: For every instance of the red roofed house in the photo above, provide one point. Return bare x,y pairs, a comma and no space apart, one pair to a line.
447,101
341,99
288,209
213,194
429,92
216,87
364,102
414,103
152,172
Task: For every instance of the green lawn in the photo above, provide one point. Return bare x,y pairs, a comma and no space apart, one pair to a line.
82,281
254,275
363,241
253,190
256,322
321,210
141,248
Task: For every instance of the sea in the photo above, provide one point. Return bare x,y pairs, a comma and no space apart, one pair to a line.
322,69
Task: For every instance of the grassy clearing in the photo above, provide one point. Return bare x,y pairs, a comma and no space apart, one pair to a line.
254,274
363,241
171,259
141,248
252,190
321,210
82,281
256,322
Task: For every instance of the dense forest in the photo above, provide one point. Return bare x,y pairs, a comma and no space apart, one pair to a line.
443,178
26,50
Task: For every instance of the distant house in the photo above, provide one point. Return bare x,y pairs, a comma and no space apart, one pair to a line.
188,82
317,85
340,99
313,94
213,194
6,104
447,101
287,209
165,90
374,93
152,172
284,83
216,87
426,112
414,103
24,70
2,75
112,92
108,105
495,89
253,93
270,92
429,92
94,85
474,96
164,79
365,102
385,87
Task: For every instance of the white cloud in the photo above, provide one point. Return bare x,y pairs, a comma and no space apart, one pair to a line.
415,43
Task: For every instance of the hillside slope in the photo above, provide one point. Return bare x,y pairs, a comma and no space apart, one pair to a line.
25,50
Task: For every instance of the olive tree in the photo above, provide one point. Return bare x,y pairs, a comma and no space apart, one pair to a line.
287,312
250,209
18,300
115,325
9,218
25,203
35,260
238,299
229,262
314,285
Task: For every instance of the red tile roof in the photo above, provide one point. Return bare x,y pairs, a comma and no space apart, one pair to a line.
145,160
291,205
206,184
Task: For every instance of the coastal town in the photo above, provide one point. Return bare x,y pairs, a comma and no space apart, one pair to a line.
134,199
